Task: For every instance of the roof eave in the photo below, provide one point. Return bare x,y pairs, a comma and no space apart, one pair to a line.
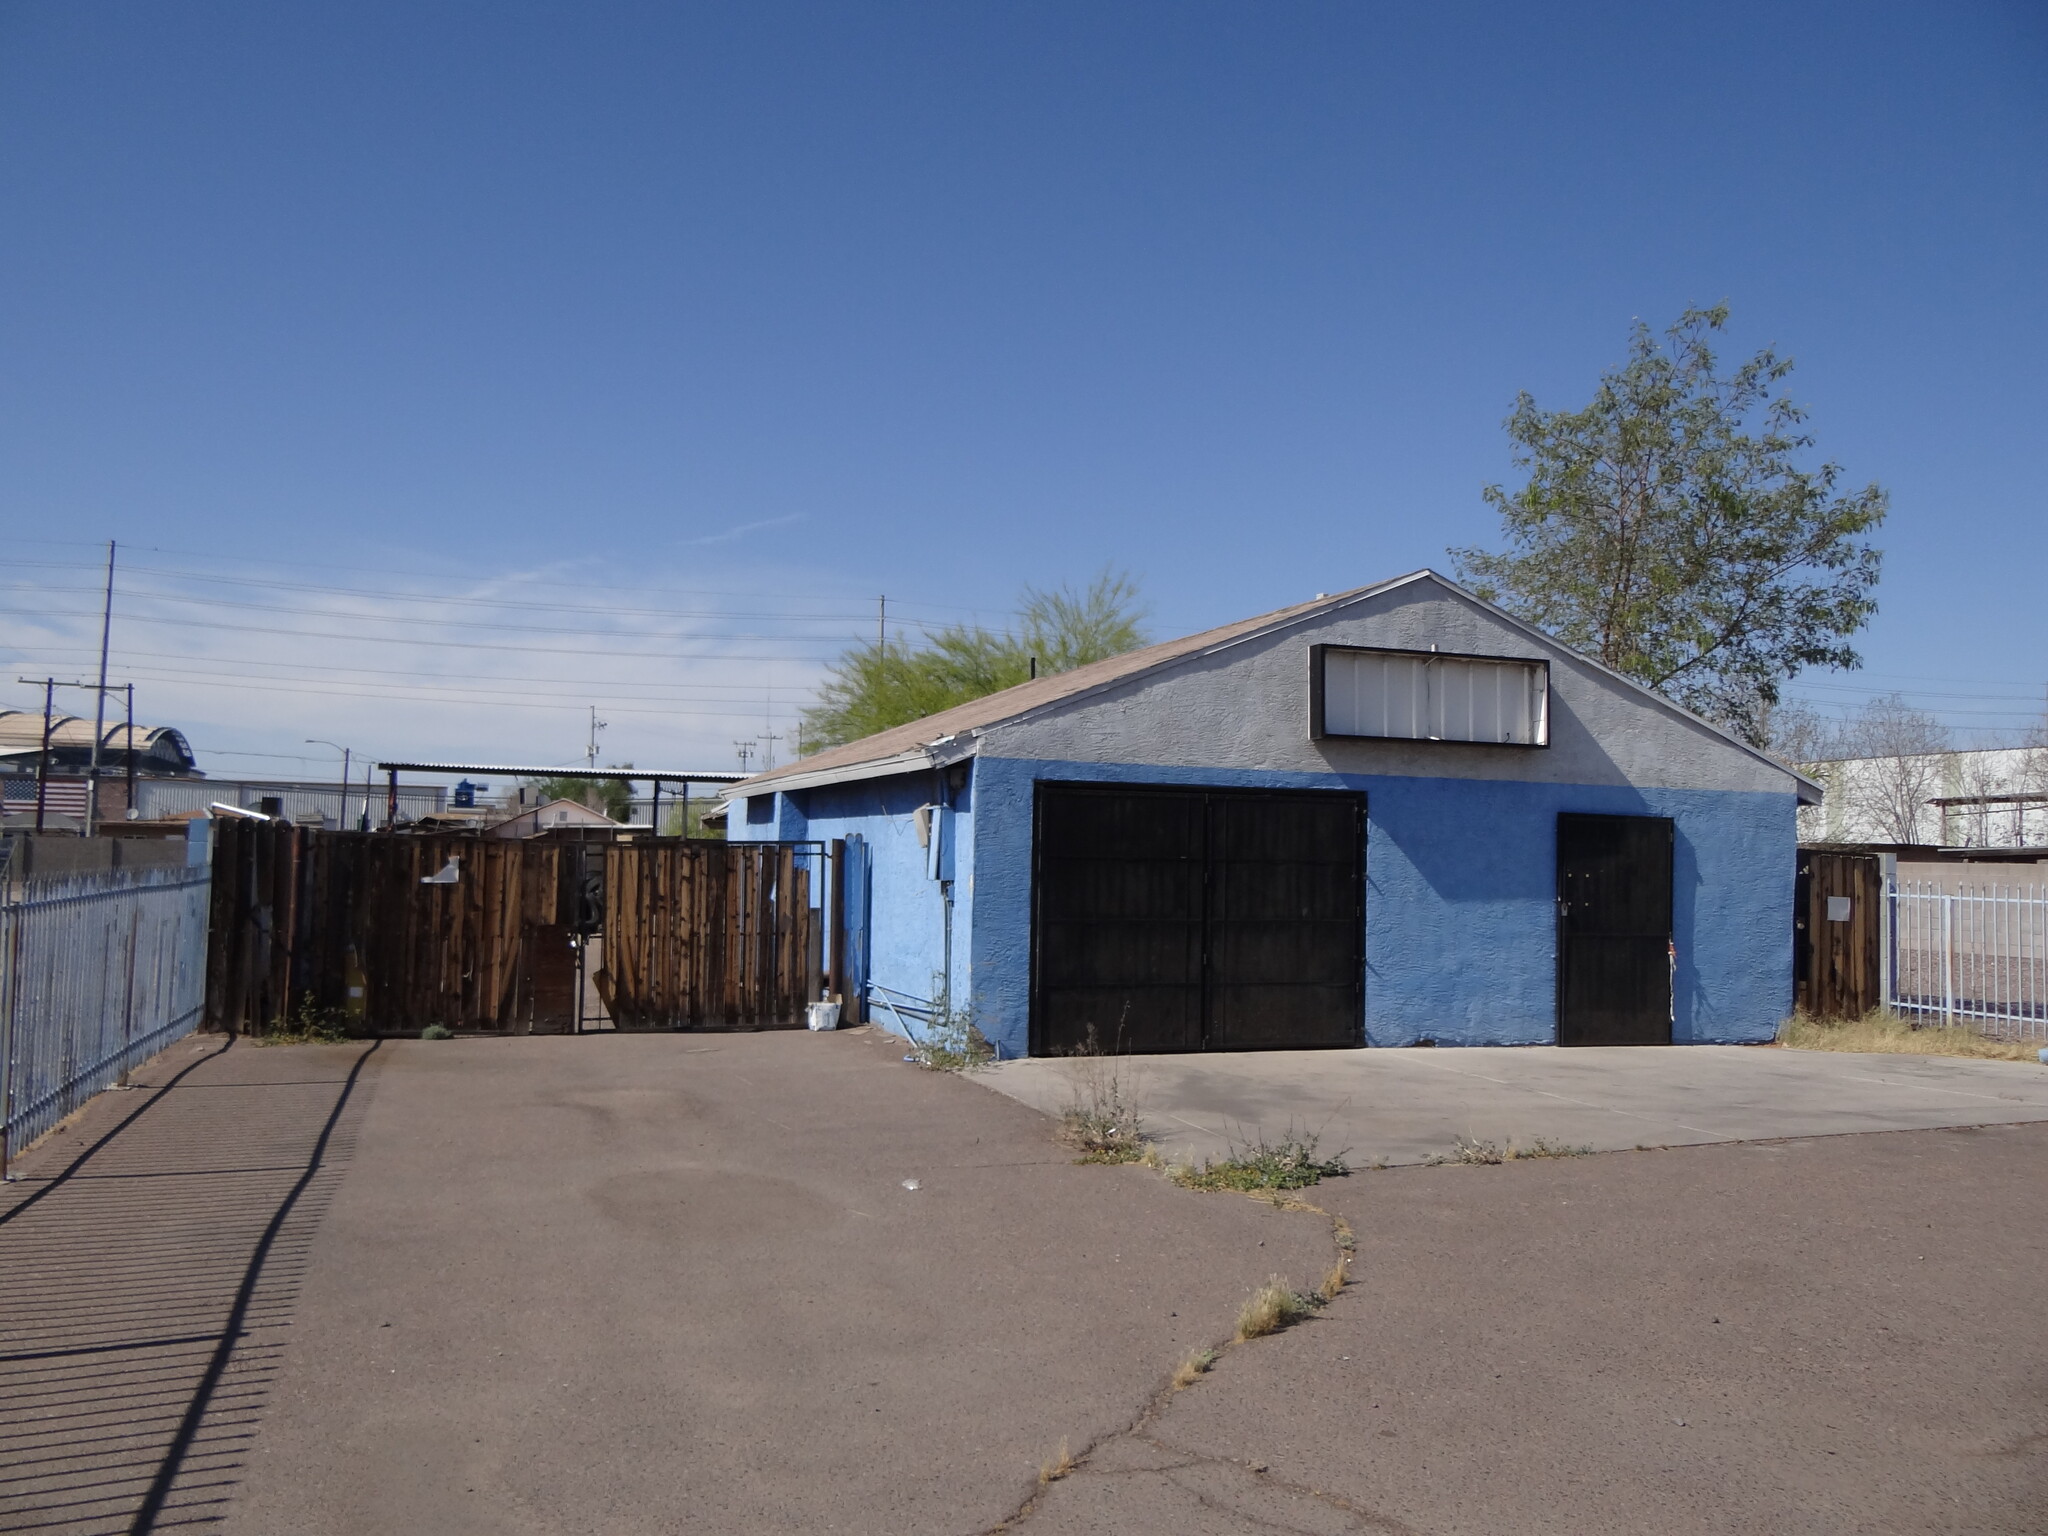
916,761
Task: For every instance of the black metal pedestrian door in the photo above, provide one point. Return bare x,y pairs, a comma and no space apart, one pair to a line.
1186,920
1614,954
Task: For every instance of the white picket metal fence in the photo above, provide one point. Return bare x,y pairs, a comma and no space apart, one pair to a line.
98,972
1976,956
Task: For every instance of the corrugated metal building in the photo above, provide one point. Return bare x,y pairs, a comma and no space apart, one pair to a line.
305,801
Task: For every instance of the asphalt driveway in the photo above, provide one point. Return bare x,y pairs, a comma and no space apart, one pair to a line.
615,1284
1405,1106
1838,1336
636,1283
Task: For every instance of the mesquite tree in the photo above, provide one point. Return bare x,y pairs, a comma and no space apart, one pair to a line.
873,687
1669,530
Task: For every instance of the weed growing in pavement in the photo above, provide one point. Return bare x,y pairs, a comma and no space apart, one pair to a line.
1058,1467
951,1042
1888,1033
1473,1151
1274,1306
951,1048
1192,1369
437,1032
1261,1166
1102,1121
1339,1274
310,1025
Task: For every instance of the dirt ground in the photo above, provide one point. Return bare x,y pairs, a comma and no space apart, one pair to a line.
651,1283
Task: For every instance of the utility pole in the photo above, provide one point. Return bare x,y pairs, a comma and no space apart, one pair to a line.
43,762
768,740
99,707
882,626
129,813
314,741
50,685
596,725
745,750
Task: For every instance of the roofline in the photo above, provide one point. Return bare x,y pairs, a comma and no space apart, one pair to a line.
792,777
788,778
723,776
1642,688
917,761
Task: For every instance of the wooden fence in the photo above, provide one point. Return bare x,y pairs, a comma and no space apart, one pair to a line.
709,933
1837,919
700,933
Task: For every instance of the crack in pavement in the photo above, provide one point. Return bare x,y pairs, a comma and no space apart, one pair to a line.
1343,1243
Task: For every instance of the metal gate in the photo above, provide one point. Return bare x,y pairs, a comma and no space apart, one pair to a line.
1614,944
1197,919
1975,956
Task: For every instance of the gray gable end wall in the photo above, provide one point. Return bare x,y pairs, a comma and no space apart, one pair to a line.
1245,706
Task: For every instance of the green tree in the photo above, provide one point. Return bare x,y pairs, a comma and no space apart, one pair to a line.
874,687
613,797
1667,530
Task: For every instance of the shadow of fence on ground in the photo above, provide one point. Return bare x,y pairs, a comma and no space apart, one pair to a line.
146,1285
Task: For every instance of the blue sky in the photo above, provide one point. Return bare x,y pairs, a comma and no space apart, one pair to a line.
671,335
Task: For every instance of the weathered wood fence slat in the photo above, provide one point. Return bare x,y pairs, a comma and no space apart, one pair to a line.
695,934
1837,925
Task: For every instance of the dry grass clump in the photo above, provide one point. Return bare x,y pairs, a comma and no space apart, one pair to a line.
1058,1466
1334,1281
1192,1369
1274,1306
1887,1033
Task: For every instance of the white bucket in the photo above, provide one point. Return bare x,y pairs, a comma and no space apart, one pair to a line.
822,1016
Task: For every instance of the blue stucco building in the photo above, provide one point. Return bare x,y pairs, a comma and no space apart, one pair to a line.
1392,816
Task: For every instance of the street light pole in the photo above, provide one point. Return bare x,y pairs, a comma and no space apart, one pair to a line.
312,741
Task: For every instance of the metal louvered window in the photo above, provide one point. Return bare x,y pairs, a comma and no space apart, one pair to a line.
1424,696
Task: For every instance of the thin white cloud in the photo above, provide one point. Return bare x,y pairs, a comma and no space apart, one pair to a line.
735,534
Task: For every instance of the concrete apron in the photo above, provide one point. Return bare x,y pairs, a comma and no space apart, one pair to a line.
1407,1106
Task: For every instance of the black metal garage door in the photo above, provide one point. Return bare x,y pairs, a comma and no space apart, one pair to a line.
1613,930
1188,920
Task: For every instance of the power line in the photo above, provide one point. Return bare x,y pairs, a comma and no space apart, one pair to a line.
241,663
645,693
403,618
468,645
513,700
611,589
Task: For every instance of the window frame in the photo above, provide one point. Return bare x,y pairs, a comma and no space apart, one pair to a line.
1318,727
